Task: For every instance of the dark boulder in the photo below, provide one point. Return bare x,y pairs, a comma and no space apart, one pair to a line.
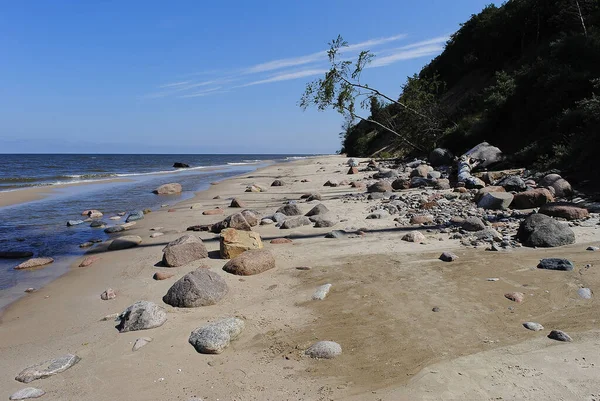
181,165
539,230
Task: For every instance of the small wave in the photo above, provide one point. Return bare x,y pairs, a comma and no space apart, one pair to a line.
296,157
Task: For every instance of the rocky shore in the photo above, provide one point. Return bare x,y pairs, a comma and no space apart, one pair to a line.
324,279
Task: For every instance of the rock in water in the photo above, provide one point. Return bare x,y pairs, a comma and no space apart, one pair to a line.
324,350
318,209
142,315
125,242
168,189
321,292
251,262
296,222
71,223
140,342
97,224
533,326
184,250
202,287
137,215
290,210
33,263
555,264
539,230
115,229
180,165
413,236
215,337
448,257
233,242
47,368
27,393
559,335
566,210
496,200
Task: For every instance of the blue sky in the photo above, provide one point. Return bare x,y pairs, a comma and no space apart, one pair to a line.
196,76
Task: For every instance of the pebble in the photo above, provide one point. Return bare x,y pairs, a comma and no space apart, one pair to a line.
515,296
435,309
592,248
533,326
303,268
140,342
30,289
321,292
493,279
585,293
324,350
559,335
162,275
27,393
86,244
108,294
156,234
156,228
115,218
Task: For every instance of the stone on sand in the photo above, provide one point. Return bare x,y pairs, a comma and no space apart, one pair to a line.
215,337
168,189
559,335
318,209
539,230
251,262
326,220
277,183
321,292
234,242
290,210
34,262
585,293
235,202
88,261
295,222
27,393
202,287
47,368
281,241
125,242
533,326
109,293
413,236
184,250
380,186
140,342
515,296
473,224
142,315
448,257
212,212
496,200
162,275
555,264
324,350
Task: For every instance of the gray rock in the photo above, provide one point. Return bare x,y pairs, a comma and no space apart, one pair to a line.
592,248
277,183
125,242
321,292
290,210
266,222
142,315
533,326
71,223
559,335
279,217
115,229
315,196
215,337
484,151
434,175
473,224
137,215
318,209
295,222
496,200
324,350
448,257
488,234
183,251
140,342
323,221
440,157
413,236
47,368
352,163
97,224
555,264
27,393
420,182
380,186
383,173
585,293
378,214
513,183
202,287
335,234
539,230
420,171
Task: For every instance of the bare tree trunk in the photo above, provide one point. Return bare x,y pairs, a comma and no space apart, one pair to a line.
581,18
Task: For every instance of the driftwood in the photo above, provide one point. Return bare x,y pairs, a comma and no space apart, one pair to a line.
482,155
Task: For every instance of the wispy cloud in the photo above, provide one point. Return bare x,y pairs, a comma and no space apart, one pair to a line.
291,68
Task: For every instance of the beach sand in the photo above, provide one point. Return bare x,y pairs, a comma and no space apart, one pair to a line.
379,309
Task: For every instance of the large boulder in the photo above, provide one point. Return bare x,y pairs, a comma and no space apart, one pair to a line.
440,157
234,242
168,189
532,198
495,200
142,315
47,368
290,209
202,287
566,210
486,152
237,221
539,230
183,251
559,185
295,222
380,186
251,262
125,242
215,337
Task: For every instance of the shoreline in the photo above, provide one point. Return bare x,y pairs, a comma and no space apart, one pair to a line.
379,309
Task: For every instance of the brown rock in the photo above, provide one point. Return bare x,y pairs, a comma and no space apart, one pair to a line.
108,294
171,210
421,219
277,183
162,275
461,190
413,236
34,262
358,184
401,183
380,186
281,241
212,212
532,198
566,210
235,242
88,261
251,262
421,171
353,170
168,189
252,217
184,250
237,203
491,188
515,296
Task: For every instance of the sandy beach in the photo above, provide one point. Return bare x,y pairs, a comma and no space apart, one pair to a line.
379,309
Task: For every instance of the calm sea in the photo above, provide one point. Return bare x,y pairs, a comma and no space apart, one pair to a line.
40,226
